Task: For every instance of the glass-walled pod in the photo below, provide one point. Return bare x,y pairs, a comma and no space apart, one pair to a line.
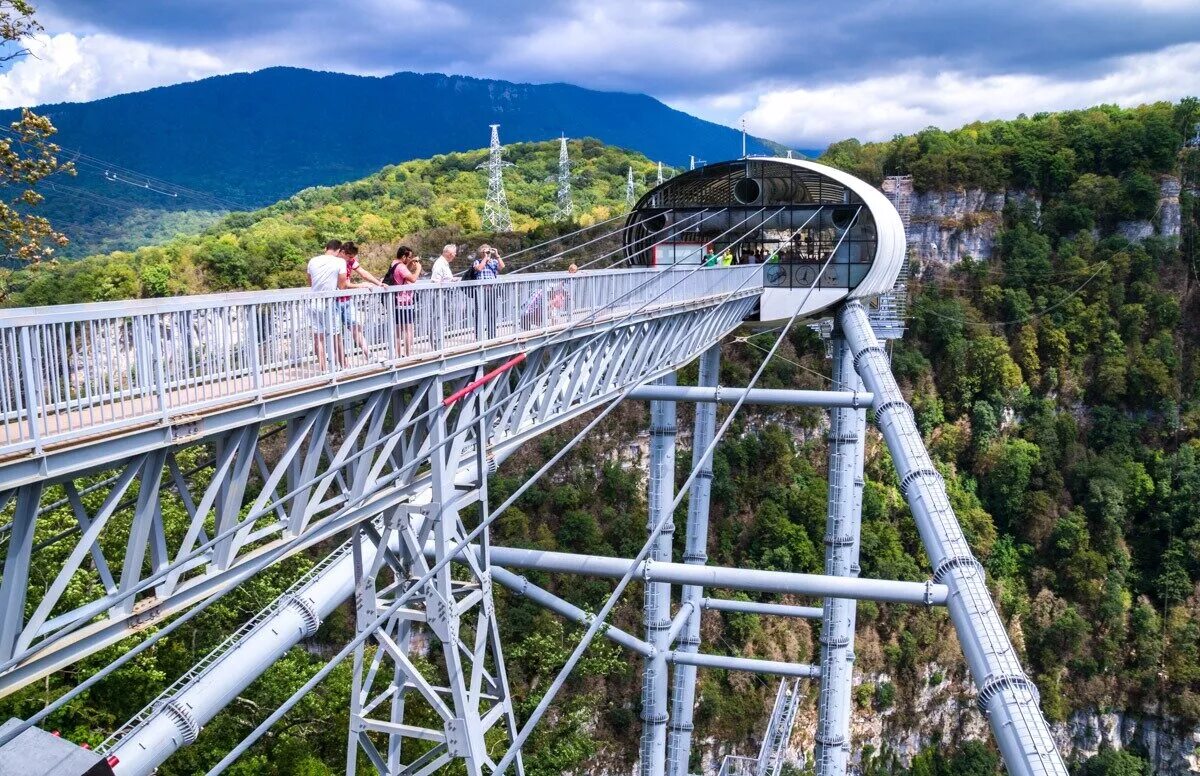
821,235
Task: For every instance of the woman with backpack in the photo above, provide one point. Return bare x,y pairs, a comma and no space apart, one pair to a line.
404,271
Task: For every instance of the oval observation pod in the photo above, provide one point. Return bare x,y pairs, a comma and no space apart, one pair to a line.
820,234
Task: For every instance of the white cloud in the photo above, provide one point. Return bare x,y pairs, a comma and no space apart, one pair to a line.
614,44
876,108
71,68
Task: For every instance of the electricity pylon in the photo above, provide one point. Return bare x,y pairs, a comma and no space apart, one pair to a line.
565,205
629,193
495,207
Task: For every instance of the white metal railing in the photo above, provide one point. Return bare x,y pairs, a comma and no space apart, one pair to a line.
738,765
76,371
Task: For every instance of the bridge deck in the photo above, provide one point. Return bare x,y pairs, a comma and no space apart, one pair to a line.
75,373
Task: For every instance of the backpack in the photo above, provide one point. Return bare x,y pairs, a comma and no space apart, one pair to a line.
471,273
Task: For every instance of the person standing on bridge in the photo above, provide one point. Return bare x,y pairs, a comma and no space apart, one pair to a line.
404,271
441,272
351,317
488,265
327,272
445,307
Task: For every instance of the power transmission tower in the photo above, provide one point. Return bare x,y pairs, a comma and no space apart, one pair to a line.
629,193
495,207
660,175
565,209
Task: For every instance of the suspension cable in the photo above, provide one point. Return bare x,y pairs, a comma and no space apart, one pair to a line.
563,237
368,630
605,236
279,552
640,251
668,517
253,516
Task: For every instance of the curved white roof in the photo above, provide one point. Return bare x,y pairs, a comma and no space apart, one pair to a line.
890,246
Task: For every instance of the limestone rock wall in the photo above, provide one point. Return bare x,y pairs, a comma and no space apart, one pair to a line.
949,225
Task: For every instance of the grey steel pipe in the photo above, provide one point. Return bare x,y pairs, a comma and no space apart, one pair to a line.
754,607
753,665
656,610
1006,695
695,553
682,617
846,432
710,394
783,582
542,597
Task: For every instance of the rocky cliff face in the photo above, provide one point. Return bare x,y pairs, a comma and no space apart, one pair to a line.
948,714
948,225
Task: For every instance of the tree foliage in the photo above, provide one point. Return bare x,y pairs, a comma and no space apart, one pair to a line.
27,156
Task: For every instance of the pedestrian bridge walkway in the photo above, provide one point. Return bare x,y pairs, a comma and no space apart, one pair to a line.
76,373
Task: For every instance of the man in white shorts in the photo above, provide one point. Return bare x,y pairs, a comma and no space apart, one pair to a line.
327,272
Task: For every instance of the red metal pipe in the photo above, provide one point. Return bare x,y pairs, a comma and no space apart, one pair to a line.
461,392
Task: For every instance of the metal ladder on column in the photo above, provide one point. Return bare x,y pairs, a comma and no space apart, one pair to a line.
888,313
779,730
774,746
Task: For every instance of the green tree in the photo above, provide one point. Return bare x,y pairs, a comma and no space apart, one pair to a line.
1115,762
26,157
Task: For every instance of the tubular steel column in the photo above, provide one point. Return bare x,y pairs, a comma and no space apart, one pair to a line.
679,745
846,430
1006,695
657,609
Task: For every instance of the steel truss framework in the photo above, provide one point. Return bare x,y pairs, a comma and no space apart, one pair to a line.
405,468
340,462
458,611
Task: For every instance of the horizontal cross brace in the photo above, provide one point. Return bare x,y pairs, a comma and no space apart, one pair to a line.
818,585
770,396
752,665
570,611
754,607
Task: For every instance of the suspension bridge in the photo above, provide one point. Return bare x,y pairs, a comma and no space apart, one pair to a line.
390,448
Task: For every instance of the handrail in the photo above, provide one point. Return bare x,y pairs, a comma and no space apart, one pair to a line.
24,316
78,371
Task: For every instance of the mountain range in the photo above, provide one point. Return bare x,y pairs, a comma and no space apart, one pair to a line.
167,159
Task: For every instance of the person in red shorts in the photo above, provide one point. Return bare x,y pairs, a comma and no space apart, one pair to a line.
345,308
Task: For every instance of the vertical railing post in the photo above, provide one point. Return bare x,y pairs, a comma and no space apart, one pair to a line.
33,392
160,378
478,291
438,320
252,336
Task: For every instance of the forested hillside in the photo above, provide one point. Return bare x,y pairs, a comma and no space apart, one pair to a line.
1057,386
425,203
245,140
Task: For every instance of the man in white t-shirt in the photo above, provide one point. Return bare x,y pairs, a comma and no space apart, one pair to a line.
441,272
327,272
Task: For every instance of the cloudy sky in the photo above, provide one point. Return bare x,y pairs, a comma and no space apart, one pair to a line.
799,71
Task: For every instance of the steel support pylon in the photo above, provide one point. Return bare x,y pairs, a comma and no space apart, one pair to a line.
847,428
470,696
1006,695
657,595
683,691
